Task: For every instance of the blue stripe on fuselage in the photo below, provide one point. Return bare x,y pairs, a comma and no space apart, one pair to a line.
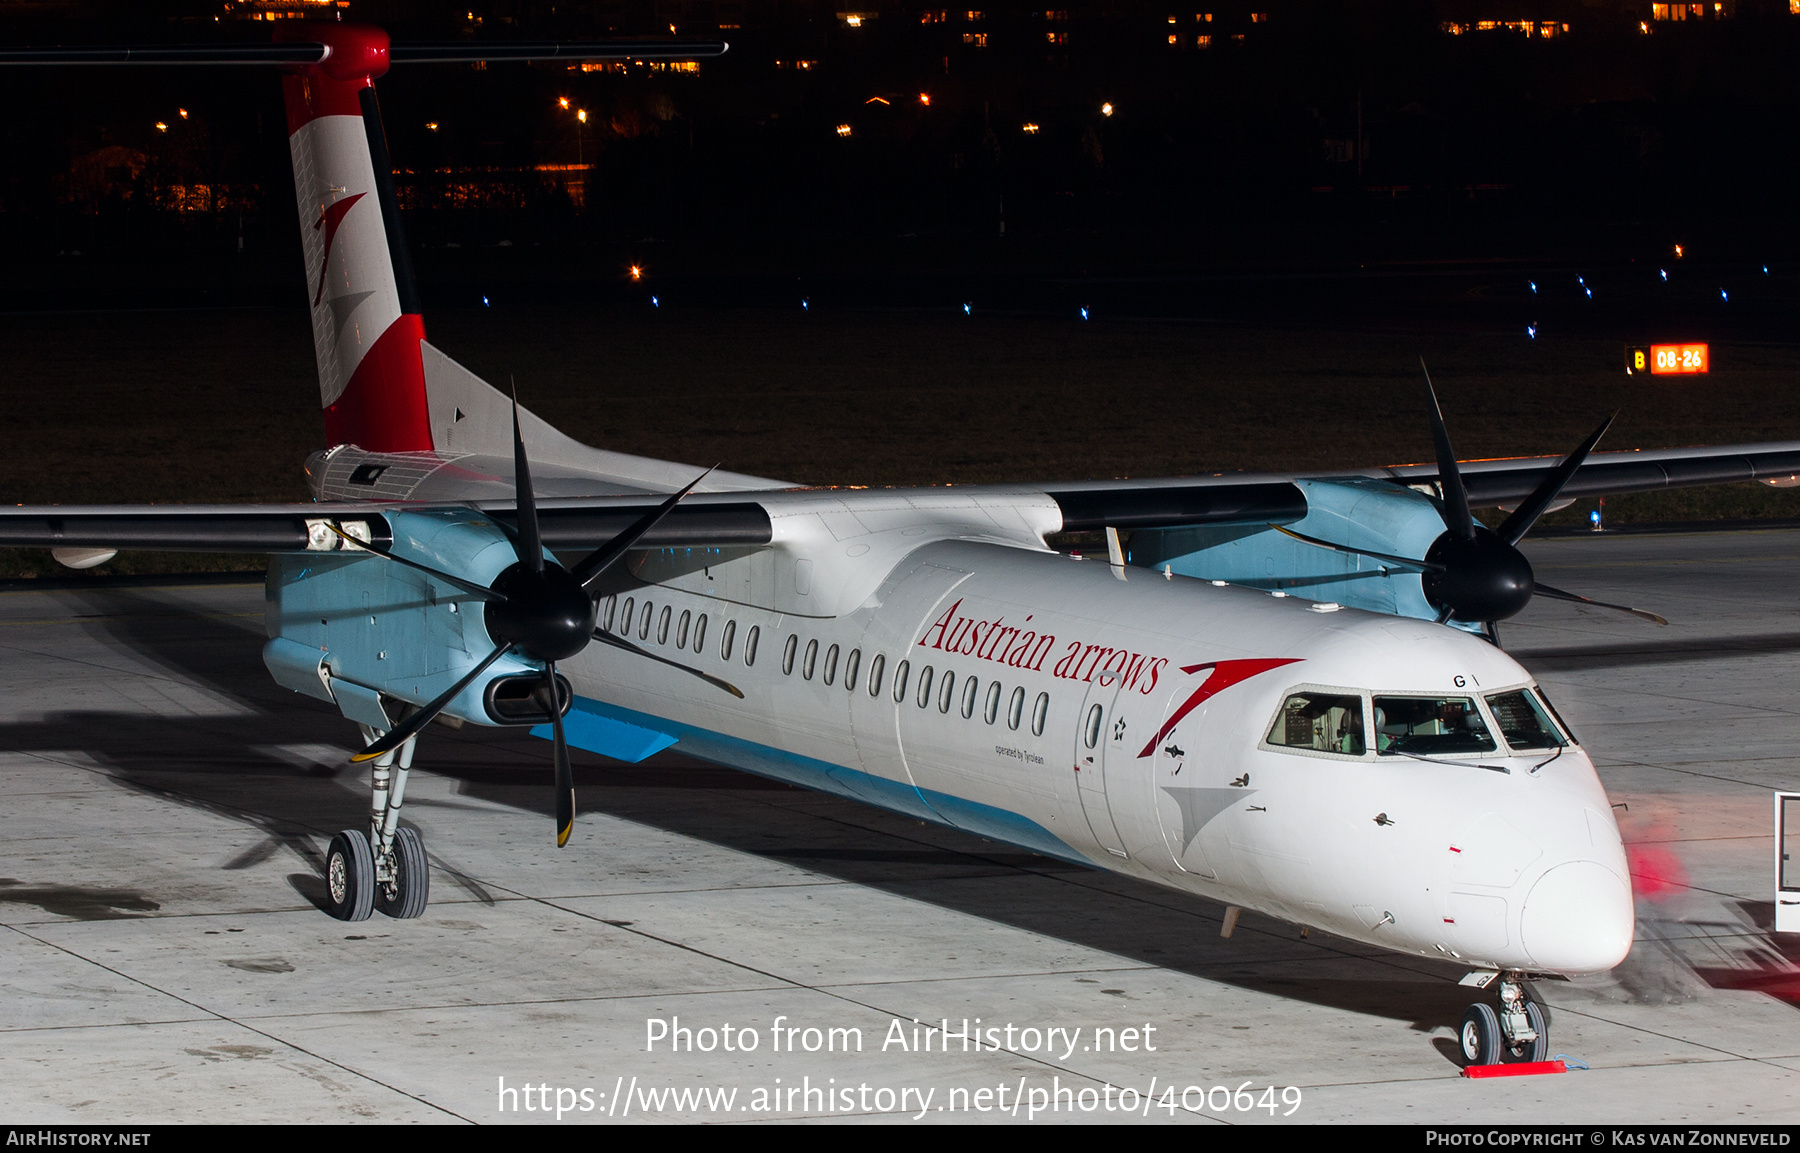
839,780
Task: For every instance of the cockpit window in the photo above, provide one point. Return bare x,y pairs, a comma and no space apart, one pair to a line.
1428,726
1523,721
1323,722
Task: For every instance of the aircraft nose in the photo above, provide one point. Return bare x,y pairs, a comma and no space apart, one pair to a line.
1578,919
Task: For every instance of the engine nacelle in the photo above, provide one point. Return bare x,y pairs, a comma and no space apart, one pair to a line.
362,632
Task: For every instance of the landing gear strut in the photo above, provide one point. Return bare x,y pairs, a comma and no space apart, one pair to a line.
1519,1032
384,868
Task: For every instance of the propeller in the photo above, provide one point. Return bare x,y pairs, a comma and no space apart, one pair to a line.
1472,573
541,611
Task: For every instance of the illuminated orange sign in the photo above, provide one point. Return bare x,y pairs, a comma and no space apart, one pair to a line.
1665,359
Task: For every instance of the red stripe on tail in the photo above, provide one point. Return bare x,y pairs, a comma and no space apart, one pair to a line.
383,408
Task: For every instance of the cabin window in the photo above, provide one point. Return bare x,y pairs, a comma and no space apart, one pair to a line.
1424,726
902,671
608,607
1091,731
726,639
644,621
1040,712
992,709
662,626
812,660
877,667
1323,722
750,641
1015,709
924,686
1523,722
851,664
946,691
625,617
787,654
831,656
681,629
971,690
700,633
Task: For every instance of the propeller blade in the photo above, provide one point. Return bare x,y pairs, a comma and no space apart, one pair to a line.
1456,498
621,643
529,544
601,558
565,775
1408,562
470,587
1533,506
409,728
1545,590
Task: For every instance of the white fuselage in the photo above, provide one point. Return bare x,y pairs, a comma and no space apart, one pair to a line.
1498,860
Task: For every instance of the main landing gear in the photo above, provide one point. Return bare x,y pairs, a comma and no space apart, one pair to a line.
384,868
1519,1032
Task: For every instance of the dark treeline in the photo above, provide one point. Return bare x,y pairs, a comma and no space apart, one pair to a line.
1297,132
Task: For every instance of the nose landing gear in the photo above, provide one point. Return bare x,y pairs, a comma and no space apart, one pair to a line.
1519,1032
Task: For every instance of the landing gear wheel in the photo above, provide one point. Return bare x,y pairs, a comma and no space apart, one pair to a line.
1538,1050
412,878
350,876
1480,1036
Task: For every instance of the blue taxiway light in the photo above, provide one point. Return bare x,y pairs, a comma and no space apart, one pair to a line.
1084,314
1665,273
655,303
966,311
1533,286
1723,296
484,302
1531,331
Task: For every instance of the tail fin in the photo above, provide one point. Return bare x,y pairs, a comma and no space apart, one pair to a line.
365,311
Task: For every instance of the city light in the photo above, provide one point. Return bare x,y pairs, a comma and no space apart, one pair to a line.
581,115
1031,129
1678,252
925,99
161,127
1106,110
875,100
431,126
853,20
183,112
563,101
843,130
637,273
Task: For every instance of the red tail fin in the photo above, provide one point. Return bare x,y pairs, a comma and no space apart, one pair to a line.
365,312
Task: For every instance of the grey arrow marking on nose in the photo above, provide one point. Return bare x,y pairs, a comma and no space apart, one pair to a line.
1198,806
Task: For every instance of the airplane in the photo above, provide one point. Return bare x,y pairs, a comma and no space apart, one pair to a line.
1283,693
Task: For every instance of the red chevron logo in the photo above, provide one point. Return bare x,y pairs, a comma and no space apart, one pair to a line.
1224,675
329,220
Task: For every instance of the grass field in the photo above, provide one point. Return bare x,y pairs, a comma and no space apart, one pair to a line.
221,405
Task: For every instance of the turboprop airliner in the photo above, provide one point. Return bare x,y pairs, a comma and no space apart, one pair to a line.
1282,693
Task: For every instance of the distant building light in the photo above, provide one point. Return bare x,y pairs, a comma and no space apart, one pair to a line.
1030,129
562,101
1173,39
875,100
431,126
581,115
637,273
1205,17
1259,17
1678,252
161,127
853,21
1171,19
1106,110
183,112
925,99
843,130
1203,41
1057,37
933,16
978,39
974,16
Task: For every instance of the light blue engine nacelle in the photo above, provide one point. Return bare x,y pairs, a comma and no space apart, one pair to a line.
1373,514
350,627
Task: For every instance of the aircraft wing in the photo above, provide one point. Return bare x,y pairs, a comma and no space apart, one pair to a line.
743,518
